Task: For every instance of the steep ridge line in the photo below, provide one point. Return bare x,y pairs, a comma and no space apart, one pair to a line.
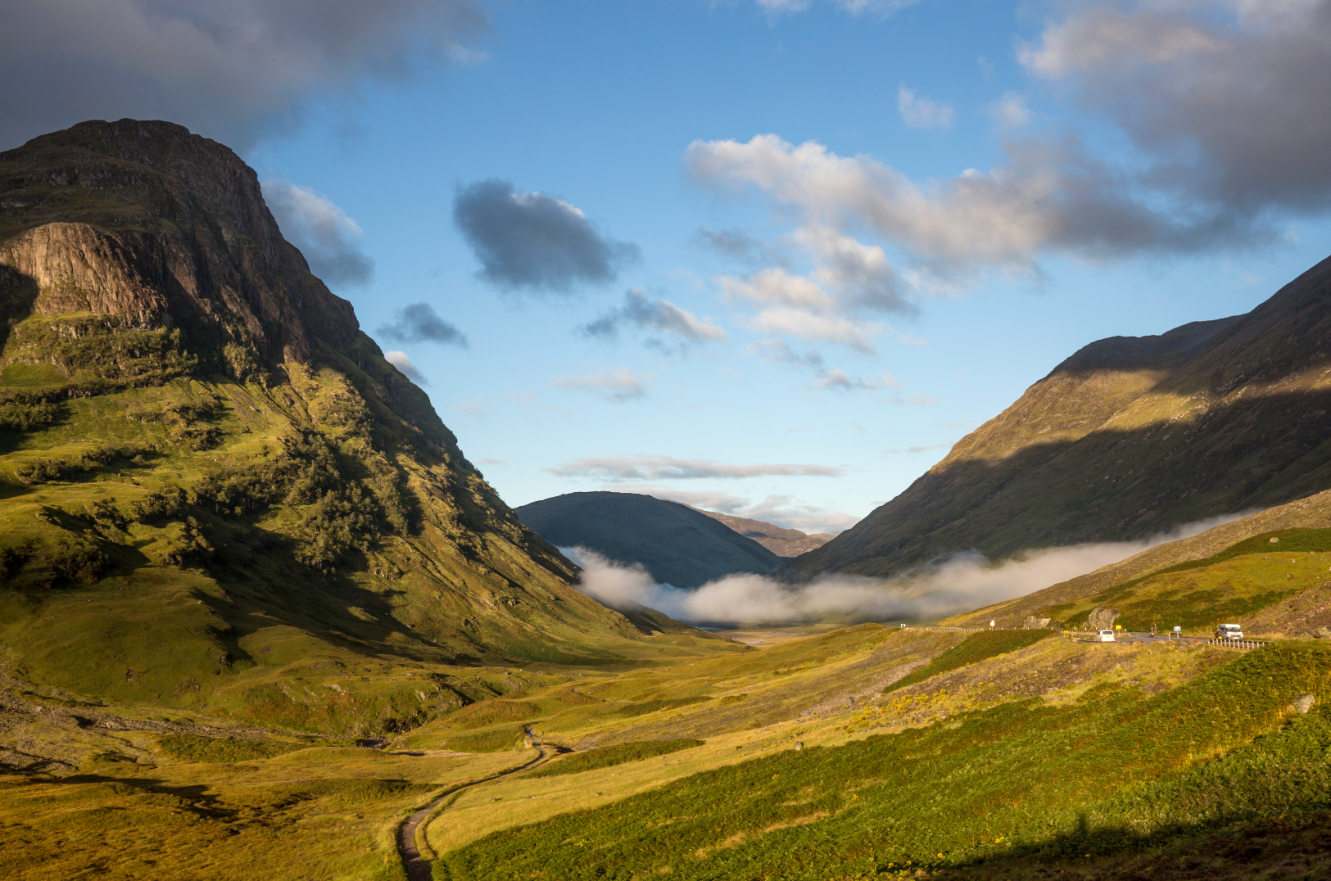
1127,438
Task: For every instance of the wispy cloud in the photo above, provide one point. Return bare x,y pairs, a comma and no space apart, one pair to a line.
617,386
922,113
641,311
670,468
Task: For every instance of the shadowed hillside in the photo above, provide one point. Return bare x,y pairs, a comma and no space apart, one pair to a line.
1127,438
673,542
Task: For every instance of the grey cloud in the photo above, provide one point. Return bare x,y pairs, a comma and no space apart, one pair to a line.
231,70
645,313
670,468
322,231
1230,99
418,323
740,246
534,241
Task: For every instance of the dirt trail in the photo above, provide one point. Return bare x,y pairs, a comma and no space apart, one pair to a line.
416,866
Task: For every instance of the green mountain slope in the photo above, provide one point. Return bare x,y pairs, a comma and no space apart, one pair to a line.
209,476
1128,437
675,543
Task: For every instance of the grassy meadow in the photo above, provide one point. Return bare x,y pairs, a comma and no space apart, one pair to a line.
868,751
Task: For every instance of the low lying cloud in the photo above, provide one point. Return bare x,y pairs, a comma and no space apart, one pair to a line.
922,113
535,242
616,386
418,323
403,363
964,582
322,231
669,468
662,316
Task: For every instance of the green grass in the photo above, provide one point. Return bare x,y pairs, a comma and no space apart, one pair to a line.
1054,782
192,748
607,756
977,647
1239,581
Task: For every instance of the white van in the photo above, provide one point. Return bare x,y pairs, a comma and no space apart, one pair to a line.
1230,631
1106,636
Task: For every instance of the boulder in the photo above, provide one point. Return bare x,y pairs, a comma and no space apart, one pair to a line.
1304,702
1034,623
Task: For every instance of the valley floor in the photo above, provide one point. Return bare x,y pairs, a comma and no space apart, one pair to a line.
869,751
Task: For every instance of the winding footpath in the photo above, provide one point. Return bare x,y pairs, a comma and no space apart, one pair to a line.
416,866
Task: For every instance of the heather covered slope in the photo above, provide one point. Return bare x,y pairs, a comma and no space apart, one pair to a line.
1125,439
209,473
673,542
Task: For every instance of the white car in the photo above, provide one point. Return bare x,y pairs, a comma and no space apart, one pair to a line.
1230,631
1105,636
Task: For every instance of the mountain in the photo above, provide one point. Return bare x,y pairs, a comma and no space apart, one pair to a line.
1127,438
673,542
783,542
210,477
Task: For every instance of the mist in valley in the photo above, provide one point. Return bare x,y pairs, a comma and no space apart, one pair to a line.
960,583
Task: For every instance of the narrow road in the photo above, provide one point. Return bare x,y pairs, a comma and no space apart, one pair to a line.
416,866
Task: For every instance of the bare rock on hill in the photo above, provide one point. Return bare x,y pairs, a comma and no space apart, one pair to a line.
1102,618
1034,623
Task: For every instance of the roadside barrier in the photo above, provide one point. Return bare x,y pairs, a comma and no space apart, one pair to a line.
962,629
1241,644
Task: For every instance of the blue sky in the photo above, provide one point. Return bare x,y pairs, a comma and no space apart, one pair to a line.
770,258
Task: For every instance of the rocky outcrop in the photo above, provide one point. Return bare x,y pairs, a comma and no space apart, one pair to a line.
1101,619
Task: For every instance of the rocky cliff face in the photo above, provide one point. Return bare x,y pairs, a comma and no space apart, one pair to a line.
183,406
1127,438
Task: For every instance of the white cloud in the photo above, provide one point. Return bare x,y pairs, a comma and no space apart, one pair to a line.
670,468
617,386
1226,100
780,510
922,113
964,582
329,239
1050,195
403,363
1010,111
